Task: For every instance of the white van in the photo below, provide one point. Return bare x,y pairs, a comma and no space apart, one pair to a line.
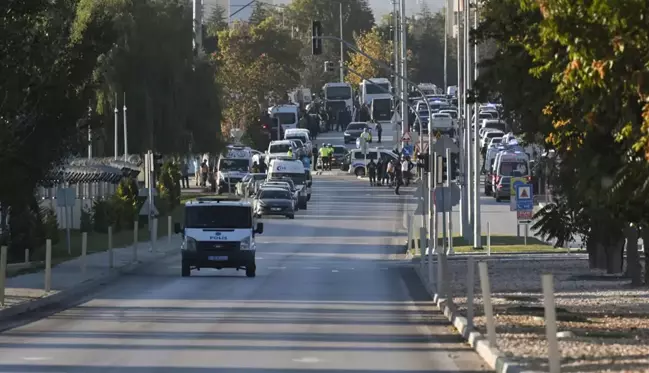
355,162
300,134
287,115
507,164
232,166
218,233
293,169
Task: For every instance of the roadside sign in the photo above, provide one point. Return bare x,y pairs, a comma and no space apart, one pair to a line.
515,181
406,137
524,197
524,216
407,150
66,197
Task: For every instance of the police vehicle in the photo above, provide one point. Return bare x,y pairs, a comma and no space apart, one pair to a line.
218,233
232,166
293,169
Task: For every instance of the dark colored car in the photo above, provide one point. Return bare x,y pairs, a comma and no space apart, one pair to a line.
354,131
339,153
274,201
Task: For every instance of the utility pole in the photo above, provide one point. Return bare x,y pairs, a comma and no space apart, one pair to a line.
447,22
458,6
467,111
404,71
125,131
89,133
198,24
395,53
342,46
477,233
116,150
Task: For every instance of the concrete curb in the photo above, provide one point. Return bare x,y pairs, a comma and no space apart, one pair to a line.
82,288
492,356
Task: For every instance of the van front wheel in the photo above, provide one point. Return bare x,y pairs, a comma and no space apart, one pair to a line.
359,171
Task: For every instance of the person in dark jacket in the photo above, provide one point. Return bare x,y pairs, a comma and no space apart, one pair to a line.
398,177
371,170
379,131
380,169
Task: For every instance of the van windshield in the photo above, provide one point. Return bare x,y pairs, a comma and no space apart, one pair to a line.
234,164
513,168
296,138
279,148
297,178
222,217
285,118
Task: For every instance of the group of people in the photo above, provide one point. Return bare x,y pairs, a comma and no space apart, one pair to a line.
325,153
393,173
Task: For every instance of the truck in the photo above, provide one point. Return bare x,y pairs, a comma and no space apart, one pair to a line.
374,88
338,96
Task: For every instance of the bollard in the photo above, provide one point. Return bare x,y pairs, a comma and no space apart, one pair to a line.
410,233
26,256
488,239
84,251
3,273
525,236
422,244
488,307
154,234
554,357
48,265
136,228
110,247
169,232
470,283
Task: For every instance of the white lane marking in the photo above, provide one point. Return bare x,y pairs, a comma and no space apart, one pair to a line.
312,268
36,358
276,267
334,270
308,360
384,269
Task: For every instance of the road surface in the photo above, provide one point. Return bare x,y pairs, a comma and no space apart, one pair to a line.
329,297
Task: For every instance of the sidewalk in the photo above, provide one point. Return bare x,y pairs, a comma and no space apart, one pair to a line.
26,292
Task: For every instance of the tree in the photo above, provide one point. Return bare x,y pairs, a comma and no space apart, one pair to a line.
48,53
557,69
257,66
374,46
217,21
159,80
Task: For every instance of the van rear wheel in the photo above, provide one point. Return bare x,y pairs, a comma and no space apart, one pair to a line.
359,171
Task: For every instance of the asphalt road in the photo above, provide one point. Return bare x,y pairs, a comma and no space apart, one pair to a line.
330,296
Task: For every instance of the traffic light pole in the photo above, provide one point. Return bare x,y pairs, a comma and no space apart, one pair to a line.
449,177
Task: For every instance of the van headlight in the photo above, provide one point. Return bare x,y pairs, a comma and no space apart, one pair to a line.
245,244
188,244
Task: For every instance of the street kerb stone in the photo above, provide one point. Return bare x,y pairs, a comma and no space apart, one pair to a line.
492,356
87,285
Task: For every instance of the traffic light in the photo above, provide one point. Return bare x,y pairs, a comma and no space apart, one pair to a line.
329,66
316,31
424,160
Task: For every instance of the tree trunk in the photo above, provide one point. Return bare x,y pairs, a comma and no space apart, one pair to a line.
615,255
633,269
592,249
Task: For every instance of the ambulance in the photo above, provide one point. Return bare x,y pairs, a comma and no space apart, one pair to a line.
507,164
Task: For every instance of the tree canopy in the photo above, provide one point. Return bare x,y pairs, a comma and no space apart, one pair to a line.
371,44
571,74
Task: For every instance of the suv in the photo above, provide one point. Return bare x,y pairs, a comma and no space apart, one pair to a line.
218,233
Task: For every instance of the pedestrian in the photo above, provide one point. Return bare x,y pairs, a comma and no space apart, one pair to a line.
204,172
197,170
379,131
315,153
398,177
380,168
184,170
390,173
371,170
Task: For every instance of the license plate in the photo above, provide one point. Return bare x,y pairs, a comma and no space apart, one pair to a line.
217,258
275,209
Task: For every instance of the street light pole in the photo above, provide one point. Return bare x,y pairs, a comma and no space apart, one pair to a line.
404,71
477,234
467,111
116,150
342,46
395,53
125,131
461,81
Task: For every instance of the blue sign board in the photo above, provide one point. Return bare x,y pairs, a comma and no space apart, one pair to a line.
524,197
407,150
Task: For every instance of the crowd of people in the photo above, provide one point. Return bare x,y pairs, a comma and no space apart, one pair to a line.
393,173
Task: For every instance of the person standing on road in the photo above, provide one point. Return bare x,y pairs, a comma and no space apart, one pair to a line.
314,154
379,131
184,170
371,170
262,166
204,171
323,156
380,167
197,171
398,177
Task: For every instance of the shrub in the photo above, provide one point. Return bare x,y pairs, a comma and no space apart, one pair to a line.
169,186
104,215
126,203
85,223
50,225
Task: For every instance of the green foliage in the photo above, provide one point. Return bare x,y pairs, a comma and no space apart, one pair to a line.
169,186
103,215
50,225
125,202
86,221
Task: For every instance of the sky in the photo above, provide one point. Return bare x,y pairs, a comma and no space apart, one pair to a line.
380,7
